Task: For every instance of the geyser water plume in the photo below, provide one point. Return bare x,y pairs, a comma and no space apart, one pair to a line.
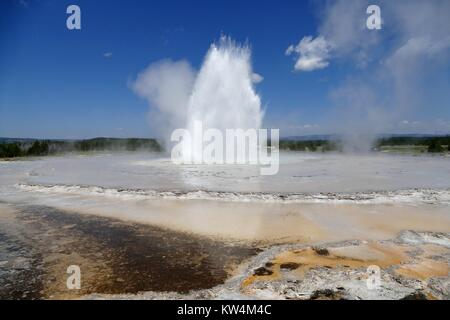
223,95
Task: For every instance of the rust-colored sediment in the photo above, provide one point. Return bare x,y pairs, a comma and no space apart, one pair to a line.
424,270
417,266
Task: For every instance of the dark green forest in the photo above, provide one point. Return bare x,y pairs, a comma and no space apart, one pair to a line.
21,148
310,145
433,144
10,148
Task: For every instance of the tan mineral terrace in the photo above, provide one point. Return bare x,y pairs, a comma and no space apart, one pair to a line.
271,222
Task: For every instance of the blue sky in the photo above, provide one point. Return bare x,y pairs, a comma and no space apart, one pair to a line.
60,83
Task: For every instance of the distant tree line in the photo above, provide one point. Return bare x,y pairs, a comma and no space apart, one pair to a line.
12,149
114,144
310,145
434,144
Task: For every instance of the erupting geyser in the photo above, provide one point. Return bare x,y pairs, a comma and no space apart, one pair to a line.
223,96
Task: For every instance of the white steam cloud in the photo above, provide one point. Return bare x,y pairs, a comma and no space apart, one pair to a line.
221,94
167,86
393,66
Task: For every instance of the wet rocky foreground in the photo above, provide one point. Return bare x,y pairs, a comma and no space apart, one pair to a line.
123,260
37,244
414,265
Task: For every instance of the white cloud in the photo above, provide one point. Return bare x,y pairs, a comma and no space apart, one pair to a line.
289,50
395,65
107,54
311,53
415,29
342,33
257,78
